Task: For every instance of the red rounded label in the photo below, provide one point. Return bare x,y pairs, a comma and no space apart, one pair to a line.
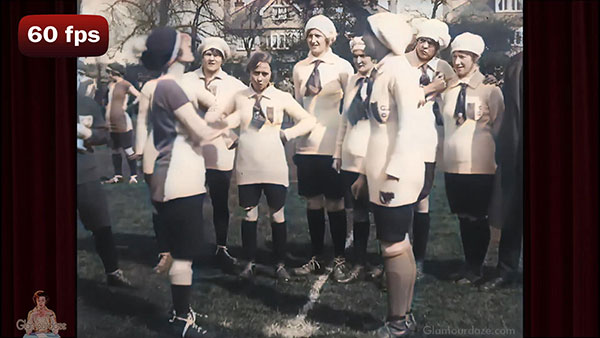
63,35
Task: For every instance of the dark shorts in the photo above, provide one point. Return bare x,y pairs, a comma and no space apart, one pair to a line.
182,218
348,178
392,223
469,193
250,195
121,140
92,206
429,176
317,177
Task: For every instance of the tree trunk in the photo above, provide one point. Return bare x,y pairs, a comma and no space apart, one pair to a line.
163,12
436,5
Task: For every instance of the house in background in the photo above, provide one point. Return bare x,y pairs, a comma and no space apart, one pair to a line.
271,25
509,12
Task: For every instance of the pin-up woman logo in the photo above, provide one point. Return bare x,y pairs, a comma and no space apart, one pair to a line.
41,321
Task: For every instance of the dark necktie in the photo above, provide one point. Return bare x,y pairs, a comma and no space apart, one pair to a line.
258,117
460,110
371,108
313,85
424,80
357,110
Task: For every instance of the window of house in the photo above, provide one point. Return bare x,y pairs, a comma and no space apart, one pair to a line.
509,6
280,12
518,40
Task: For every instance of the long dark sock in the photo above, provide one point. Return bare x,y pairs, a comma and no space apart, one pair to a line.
219,195
132,167
316,227
181,299
361,238
466,236
338,230
481,240
421,235
249,239
117,163
105,246
161,233
279,234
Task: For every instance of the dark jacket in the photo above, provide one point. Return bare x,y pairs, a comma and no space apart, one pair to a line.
509,151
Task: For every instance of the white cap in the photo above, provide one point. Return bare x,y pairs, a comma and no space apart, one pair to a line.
468,42
323,24
434,29
216,43
357,43
391,30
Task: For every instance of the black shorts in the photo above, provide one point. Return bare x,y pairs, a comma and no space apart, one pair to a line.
182,218
249,195
317,177
348,178
469,193
121,140
392,223
429,176
92,206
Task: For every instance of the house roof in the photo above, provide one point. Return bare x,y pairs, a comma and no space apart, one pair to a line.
250,15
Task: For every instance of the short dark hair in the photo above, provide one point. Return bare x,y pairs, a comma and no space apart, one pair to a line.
256,58
214,51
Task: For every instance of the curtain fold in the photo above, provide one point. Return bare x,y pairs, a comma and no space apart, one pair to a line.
38,175
561,132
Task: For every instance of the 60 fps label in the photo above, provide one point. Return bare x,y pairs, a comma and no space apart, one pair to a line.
63,35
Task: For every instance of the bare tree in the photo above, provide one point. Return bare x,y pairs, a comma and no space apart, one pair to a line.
436,5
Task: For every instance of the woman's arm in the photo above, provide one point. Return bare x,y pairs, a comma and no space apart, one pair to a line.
304,122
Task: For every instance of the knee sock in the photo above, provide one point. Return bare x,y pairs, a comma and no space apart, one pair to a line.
117,163
400,274
420,235
279,234
132,167
337,228
481,240
220,215
105,246
249,239
182,295
466,236
316,227
361,238
162,239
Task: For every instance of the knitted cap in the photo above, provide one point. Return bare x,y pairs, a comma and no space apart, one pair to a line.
468,42
391,30
436,30
216,43
162,46
322,24
357,43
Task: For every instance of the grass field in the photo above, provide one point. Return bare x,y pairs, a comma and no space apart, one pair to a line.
268,309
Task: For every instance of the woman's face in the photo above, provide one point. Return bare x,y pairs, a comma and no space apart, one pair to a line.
426,48
463,63
362,62
185,48
41,301
261,76
211,61
317,42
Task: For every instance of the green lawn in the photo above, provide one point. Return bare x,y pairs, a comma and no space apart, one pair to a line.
265,308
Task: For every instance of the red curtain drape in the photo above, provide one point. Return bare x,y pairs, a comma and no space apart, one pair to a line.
561,164
38,175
